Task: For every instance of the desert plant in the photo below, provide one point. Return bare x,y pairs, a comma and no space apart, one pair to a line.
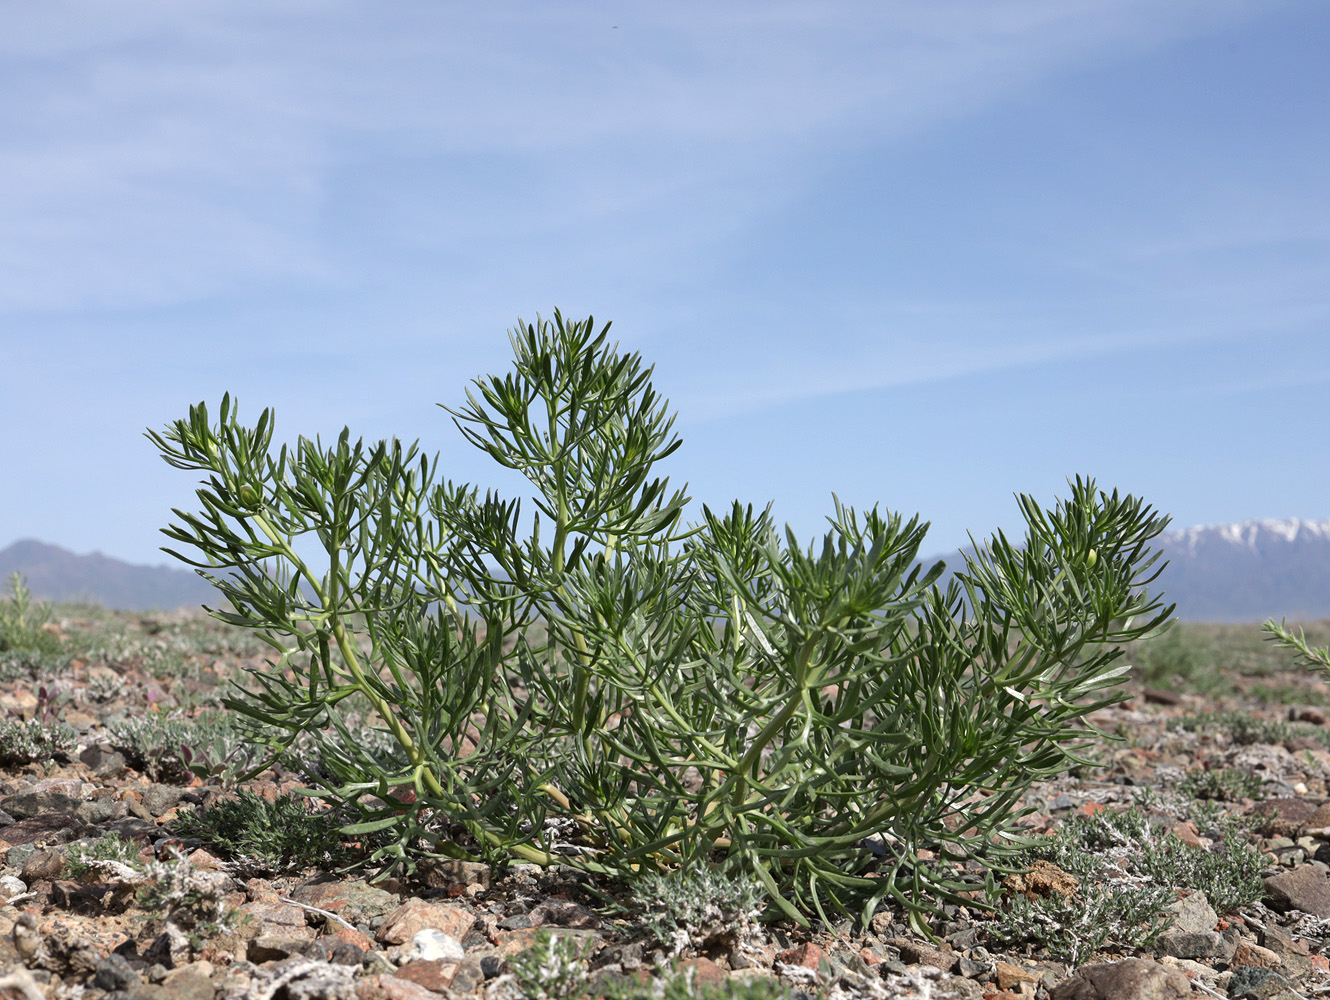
111,852
698,908
717,694
1072,928
1283,637
21,620
265,837
1103,847
173,747
553,968
1227,784
32,741
187,902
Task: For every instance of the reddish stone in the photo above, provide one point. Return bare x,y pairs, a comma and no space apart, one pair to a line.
279,919
433,975
1011,976
808,955
869,958
1187,833
1090,808
347,935
1247,953
706,973
416,915
392,988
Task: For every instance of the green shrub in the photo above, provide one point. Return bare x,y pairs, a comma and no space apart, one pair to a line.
173,748
260,836
32,741
90,859
1100,847
1073,928
719,693
694,909
553,968
1227,784
21,621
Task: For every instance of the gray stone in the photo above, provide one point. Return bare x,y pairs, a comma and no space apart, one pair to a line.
157,799
1255,983
98,811
1294,955
1193,914
104,761
1195,944
1305,888
115,973
1131,979
26,805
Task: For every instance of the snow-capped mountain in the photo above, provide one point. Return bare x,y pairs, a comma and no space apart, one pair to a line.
1249,571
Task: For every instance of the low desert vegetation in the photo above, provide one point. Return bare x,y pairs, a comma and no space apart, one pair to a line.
717,695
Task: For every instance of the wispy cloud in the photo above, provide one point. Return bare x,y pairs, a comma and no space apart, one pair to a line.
158,153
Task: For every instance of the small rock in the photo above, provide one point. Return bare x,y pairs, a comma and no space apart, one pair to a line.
27,805
1256,983
415,915
436,946
385,987
43,865
807,955
1247,953
1130,979
1043,879
115,973
1194,944
104,761
1304,888
1193,913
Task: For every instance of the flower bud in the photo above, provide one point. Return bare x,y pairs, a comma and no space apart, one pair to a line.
248,495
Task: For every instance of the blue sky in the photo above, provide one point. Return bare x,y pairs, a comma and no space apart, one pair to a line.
922,255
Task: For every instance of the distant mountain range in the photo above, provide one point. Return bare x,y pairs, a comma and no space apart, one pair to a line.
1225,573
56,574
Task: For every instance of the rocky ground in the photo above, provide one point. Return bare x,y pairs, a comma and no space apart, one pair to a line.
174,919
